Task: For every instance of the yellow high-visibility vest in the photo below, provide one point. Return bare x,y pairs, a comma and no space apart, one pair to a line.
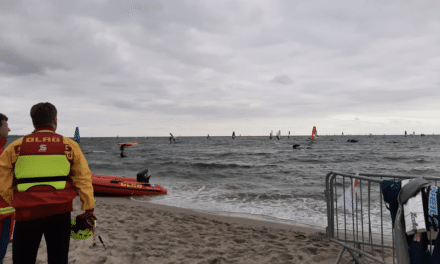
41,170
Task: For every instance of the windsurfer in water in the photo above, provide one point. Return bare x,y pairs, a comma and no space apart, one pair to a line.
122,148
297,146
172,138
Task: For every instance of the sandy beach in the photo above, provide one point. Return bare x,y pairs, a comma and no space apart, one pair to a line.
142,232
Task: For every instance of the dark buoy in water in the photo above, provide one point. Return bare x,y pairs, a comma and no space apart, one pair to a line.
352,140
296,146
143,176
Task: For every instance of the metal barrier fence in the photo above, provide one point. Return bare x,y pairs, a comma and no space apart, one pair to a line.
362,225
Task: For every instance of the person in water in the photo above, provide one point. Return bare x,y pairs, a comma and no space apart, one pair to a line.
122,148
7,212
45,209
297,146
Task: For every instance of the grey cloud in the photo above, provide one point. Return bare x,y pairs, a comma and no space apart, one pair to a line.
219,60
282,79
12,63
7,6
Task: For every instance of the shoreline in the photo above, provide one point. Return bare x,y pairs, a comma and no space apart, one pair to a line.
219,216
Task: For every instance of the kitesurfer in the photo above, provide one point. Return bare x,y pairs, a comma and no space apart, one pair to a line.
45,209
7,212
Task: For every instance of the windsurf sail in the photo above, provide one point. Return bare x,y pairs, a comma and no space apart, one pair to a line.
233,134
349,198
76,136
271,136
405,133
288,135
172,138
279,134
314,133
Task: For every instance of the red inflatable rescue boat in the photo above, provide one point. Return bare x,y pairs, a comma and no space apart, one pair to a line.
124,186
129,143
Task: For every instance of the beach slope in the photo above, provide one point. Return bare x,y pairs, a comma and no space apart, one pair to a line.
141,232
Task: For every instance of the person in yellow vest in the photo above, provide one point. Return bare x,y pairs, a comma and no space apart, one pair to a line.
40,175
7,212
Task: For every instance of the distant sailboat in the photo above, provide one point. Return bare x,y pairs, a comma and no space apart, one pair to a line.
288,135
314,133
279,134
208,137
233,134
271,135
76,136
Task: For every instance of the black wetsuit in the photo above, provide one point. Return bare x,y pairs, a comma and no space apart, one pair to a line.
122,151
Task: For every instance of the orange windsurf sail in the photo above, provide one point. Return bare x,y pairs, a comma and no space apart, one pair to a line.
314,133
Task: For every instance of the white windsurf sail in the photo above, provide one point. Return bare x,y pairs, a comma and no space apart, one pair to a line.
279,134
349,198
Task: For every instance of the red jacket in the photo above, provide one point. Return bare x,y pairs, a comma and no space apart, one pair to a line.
50,204
5,208
2,144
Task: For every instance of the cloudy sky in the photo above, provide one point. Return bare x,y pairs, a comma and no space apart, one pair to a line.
198,67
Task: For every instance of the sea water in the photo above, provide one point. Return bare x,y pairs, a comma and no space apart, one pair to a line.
257,177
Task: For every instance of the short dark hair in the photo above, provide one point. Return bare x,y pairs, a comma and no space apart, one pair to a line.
43,114
2,117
